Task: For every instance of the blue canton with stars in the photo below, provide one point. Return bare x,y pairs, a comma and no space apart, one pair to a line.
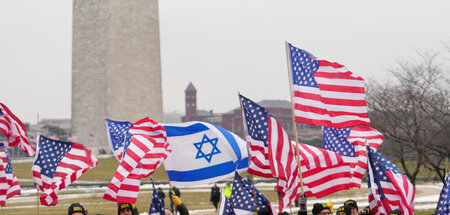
214,150
117,132
256,118
50,153
303,66
156,207
8,169
380,165
335,140
443,206
242,195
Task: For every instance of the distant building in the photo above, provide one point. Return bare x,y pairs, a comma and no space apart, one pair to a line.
232,120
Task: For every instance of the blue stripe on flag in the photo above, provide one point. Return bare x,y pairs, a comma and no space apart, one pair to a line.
173,131
206,173
231,141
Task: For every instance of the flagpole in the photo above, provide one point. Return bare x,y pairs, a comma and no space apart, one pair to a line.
248,154
37,142
293,114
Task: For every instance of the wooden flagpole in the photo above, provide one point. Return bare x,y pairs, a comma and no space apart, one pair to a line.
248,153
37,145
288,59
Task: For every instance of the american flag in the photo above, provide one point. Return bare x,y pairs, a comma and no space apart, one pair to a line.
57,164
351,142
242,200
9,185
271,146
388,189
14,130
443,206
143,155
156,206
326,93
117,135
225,206
72,138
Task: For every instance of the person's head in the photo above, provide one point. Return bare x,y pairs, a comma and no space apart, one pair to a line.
365,211
395,212
215,185
227,183
344,210
353,205
76,209
168,212
159,189
321,209
125,209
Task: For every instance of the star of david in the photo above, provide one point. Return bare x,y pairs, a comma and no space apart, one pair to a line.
214,150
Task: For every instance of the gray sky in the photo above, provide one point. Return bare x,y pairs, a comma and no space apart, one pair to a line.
221,46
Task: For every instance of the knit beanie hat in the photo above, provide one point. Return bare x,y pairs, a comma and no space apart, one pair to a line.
351,202
395,212
318,207
76,208
345,208
122,206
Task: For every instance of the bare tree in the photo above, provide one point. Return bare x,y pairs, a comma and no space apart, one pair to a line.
413,112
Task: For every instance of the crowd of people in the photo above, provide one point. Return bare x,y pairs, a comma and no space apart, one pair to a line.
350,207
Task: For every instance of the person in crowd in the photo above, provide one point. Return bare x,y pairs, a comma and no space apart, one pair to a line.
344,210
215,195
302,205
227,190
365,211
161,195
76,209
353,205
125,209
321,209
176,191
180,206
395,212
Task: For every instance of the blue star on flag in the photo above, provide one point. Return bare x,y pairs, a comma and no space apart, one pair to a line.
214,150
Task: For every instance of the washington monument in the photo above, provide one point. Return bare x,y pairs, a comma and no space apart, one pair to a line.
116,68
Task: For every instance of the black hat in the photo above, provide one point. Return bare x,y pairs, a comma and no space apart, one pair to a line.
346,209
318,207
122,206
395,212
366,211
76,208
351,202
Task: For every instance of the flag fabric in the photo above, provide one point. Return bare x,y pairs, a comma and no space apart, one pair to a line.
351,142
242,199
93,138
443,206
203,153
140,157
326,93
117,135
271,146
57,164
14,130
156,206
388,188
72,138
9,185
225,206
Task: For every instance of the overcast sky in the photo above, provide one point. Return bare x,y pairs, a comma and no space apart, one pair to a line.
222,47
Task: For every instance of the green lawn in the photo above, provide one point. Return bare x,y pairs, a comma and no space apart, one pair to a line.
104,172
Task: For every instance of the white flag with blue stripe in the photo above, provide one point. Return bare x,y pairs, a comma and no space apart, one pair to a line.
203,153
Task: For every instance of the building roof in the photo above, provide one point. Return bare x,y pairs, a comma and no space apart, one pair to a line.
190,88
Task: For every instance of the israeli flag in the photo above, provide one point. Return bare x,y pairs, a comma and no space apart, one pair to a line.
203,153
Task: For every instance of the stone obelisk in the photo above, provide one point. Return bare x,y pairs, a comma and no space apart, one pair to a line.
116,67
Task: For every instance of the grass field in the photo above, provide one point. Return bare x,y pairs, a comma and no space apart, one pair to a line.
194,198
